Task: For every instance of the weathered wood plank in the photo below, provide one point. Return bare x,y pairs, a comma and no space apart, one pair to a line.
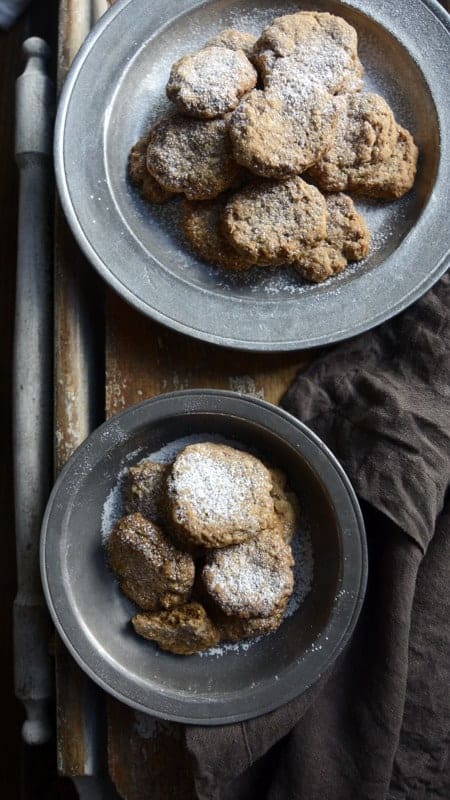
144,359
76,412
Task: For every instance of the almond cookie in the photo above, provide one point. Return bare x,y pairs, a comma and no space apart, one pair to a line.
211,82
191,156
347,239
151,571
184,630
219,496
284,130
274,222
390,179
145,489
366,133
251,579
234,40
325,47
202,227
151,190
287,507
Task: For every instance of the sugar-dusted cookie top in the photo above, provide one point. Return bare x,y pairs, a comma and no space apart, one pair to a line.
366,133
191,156
219,496
324,46
211,82
274,221
251,579
151,571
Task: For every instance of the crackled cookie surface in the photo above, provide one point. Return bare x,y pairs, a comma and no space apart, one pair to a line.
202,227
234,40
151,571
365,134
145,488
191,156
324,45
284,130
219,495
211,82
150,189
184,630
390,179
347,239
251,579
234,628
275,221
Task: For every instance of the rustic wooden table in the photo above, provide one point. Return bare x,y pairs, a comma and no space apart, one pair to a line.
106,354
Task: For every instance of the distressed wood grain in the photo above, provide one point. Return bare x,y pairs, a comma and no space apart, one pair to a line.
77,410
144,359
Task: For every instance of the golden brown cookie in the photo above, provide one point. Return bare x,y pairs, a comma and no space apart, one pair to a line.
286,505
347,239
284,130
184,630
192,156
150,189
219,496
202,227
365,134
233,628
274,221
390,179
251,579
234,40
145,490
323,45
150,570
211,82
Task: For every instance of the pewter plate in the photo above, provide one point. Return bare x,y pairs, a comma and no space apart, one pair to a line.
93,617
115,89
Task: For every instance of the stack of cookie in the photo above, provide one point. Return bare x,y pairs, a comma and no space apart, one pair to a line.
255,114
204,549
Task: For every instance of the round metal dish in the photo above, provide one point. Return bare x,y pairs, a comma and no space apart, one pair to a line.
93,617
115,89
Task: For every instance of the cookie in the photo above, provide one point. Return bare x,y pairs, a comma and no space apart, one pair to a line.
274,222
219,496
150,189
184,630
150,570
366,133
211,82
192,156
234,629
251,579
390,179
202,227
234,40
145,488
347,239
286,505
323,45
284,130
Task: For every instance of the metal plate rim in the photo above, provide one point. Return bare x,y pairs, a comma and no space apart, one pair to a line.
134,300
352,605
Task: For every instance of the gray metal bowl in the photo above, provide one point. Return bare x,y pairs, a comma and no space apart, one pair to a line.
93,617
115,89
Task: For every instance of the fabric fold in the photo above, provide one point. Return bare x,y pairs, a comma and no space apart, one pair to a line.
381,402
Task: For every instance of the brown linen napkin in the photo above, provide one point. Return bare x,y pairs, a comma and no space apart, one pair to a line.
377,726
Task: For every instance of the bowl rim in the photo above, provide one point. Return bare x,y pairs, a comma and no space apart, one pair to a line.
433,213
72,631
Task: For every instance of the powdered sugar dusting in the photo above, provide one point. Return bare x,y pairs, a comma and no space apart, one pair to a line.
302,550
